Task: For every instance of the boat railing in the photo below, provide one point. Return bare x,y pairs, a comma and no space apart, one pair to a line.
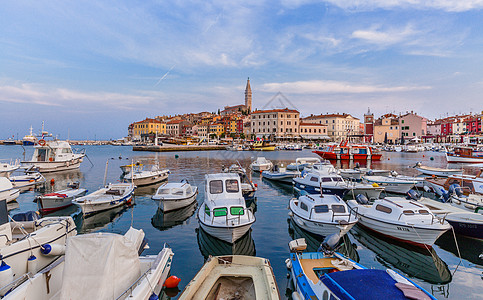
227,218
434,219
334,214
17,282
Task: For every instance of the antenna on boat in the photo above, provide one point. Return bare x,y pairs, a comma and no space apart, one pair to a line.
105,173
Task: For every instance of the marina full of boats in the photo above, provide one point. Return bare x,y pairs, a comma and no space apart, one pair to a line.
316,220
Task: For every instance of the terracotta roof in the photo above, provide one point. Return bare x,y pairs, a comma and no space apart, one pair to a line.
344,115
176,121
285,110
312,124
148,120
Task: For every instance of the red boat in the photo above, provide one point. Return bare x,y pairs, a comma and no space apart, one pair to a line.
348,152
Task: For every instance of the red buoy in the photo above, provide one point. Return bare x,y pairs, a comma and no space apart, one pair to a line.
171,282
52,181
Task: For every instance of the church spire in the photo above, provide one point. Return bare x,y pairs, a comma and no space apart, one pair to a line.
248,96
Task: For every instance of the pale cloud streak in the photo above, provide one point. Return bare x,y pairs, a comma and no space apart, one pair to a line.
331,87
385,37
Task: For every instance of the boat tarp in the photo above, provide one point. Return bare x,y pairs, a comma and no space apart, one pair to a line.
99,266
363,284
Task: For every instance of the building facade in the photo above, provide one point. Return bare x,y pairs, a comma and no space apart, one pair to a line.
387,130
339,126
275,123
148,126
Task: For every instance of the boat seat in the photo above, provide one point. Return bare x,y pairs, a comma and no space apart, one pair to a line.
308,265
113,192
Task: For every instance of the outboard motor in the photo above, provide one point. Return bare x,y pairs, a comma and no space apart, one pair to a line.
329,245
357,166
74,185
413,195
394,173
455,189
370,173
26,216
362,199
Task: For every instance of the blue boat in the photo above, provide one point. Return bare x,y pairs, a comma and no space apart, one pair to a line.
330,275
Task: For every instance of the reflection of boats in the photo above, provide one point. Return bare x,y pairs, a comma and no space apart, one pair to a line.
165,220
209,245
233,277
92,269
108,197
322,214
314,241
223,213
416,262
285,189
469,249
100,220
400,218
330,275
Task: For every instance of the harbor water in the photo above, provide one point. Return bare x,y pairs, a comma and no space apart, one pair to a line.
439,269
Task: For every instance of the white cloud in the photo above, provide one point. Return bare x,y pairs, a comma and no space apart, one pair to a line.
329,87
391,36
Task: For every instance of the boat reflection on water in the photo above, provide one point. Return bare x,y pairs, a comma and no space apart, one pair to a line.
314,241
148,190
422,263
284,188
165,220
209,245
72,210
100,220
470,249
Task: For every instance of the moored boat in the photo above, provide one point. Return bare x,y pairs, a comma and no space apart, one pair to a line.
141,175
59,199
7,167
7,190
110,196
465,154
175,195
280,173
392,184
261,164
348,152
437,171
233,277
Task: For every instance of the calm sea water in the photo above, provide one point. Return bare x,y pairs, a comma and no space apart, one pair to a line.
440,270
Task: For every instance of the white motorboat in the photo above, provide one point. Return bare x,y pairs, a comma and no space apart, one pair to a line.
302,162
110,196
7,191
248,187
392,184
146,176
224,214
7,167
29,179
331,275
437,171
400,218
470,183
233,277
322,215
471,202
29,243
175,195
261,164
463,221
54,156
280,173
99,266
57,200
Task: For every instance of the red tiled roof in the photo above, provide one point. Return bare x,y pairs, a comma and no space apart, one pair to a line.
148,120
312,124
285,110
176,121
344,115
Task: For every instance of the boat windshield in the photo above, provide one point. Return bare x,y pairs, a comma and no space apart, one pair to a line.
337,208
232,186
321,208
164,192
216,187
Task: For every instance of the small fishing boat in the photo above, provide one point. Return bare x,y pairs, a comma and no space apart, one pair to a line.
330,275
102,266
60,199
175,195
7,167
54,156
110,196
392,184
465,154
302,162
470,183
29,179
128,168
280,173
437,171
223,213
30,244
322,214
403,219
261,164
7,191
29,139
463,221
233,277
262,146
144,176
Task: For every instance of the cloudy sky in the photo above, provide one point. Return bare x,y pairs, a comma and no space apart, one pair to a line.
90,68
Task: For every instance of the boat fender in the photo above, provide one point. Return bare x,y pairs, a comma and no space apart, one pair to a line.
52,249
171,282
288,263
153,297
32,264
375,185
6,276
296,296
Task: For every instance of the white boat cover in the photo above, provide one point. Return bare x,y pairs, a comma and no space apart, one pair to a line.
99,266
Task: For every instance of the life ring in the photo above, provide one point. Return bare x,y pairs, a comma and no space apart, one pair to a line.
42,142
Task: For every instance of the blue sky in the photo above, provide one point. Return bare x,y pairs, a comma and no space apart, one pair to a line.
91,68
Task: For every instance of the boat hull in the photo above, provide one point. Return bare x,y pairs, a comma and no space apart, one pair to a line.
332,190
441,173
55,166
463,159
394,187
337,156
150,180
321,228
174,204
467,224
287,178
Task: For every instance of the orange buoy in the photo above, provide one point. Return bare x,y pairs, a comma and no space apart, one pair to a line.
52,181
171,282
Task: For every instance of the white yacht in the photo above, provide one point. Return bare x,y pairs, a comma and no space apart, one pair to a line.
7,167
54,156
400,218
224,214
322,215
175,195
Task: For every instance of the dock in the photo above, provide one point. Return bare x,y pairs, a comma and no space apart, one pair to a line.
175,148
